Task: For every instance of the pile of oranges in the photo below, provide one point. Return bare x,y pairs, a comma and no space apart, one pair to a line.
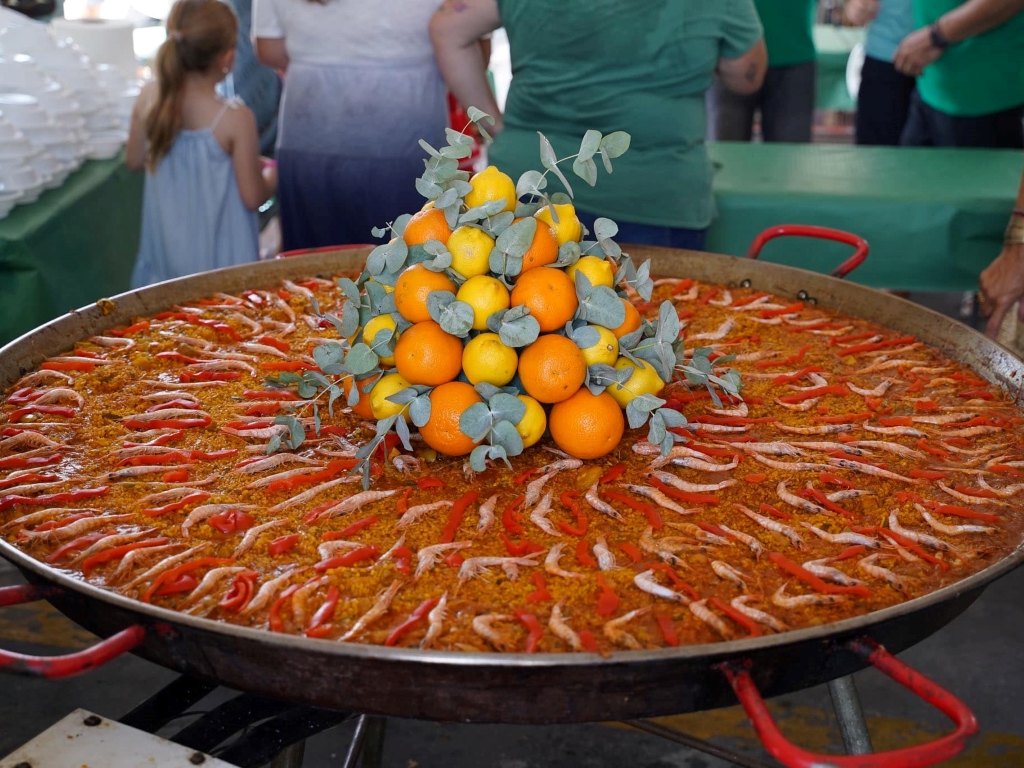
549,375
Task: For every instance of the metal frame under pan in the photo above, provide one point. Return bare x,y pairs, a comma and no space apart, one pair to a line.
515,688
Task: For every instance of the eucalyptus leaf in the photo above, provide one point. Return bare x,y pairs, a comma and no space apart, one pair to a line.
517,239
349,320
519,332
353,395
560,198
531,183
349,288
274,445
550,161
439,263
504,433
306,390
462,188
606,160
475,421
402,430
478,115
378,233
498,453
456,153
507,407
589,145
644,285
635,417
456,139
656,430
673,419
427,148
376,260
602,306
361,359
335,393
568,254
428,189
615,143
500,222
450,196
529,209
419,410
586,170
329,356
478,458
451,214
485,390
586,336
399,225
610,247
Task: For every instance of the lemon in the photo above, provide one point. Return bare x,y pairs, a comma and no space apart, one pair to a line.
644,381
471,249
427,205
568,228
486,295
606,350
381,407
487,359
492,184
374,326
531,427
598,271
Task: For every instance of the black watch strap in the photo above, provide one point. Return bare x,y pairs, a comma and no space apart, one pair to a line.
938,39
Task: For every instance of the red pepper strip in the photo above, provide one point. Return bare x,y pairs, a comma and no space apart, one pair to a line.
928,474
68,365
968,380
172,316
332,470
981,493
789,378
768,509
186,404
854,337
962,442
520,479
116,553
187,376
874,403
164,440
640,506
981,394
682,286
522,549
536,630
844,419
173,457
1005,469
357,526
674,577
708,296
913,546
205,421
813,581
905,496
174,506
179,357
795,307
403,559
50,525
583,555
743,620
854,551
686,496
607,601
75,544
6,502
179,570
270,341
184,583
231,521
240,593
419,614
613,473
873,346
508,517
283,294
175,476
731,421
31,477
276,624
755,477
455,518
568,499
288,365
366,552
926,406
807,394
541,595
831,479
958,511
263,409
455,560
429,482
49,410
402,506
25,395
712,528
631,551
270,394
668,632
282,544
19,462
725,453
122,332
820,498
215,325
588,642
791,360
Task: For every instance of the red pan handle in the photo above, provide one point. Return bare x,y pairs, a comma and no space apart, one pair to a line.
56,667
931,753
822,233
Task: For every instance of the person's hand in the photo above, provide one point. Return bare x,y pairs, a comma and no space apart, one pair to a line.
861,12
916,52
268,170
1002,285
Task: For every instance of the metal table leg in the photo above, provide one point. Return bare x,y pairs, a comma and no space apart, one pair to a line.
849,715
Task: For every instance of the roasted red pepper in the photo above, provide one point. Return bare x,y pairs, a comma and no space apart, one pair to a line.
355,527
231,521
48,410
676,580
791,360
184,583
685,496
613,474
640,506
534,627
668,632
325,612
6,502
241,592
282,544
175,476
429,482
455,518
813,581
583,556
20,462
116,553
332,470
631,551
68,365
509,518
588,642
31,477
366,552
270,341
607,600
521,549
742,619
958,511
541,594
419,614
402,557
270,394
568,499
74,545
275,621
820,498
166,423
173,574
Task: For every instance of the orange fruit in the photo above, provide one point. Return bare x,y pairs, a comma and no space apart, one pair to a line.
425,354
587,426
429,224
543,250
550,296
414,285
447,404
551,369
631,323
362,408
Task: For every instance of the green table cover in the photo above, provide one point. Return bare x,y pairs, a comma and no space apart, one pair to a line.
934,218
834,45
74,245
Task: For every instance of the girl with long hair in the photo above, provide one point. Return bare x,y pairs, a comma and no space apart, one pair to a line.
204,175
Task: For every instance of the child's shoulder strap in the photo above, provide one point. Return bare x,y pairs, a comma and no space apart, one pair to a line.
228,104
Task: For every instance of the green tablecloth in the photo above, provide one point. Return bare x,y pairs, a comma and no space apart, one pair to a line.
834,45
934,217
74,245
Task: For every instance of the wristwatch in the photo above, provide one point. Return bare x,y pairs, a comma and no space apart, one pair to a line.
938,40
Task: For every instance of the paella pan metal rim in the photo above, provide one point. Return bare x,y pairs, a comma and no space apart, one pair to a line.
159,296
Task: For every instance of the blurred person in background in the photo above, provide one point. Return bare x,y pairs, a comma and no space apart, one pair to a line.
590,64
883,100
1002,282
256,85
361,87
786,100
968,58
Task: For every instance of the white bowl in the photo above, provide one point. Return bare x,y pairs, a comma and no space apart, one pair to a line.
23,110
104,146
57,100
73,153
27,38
7,131
21,73
7,201
32,193
17,150
103,120
19,178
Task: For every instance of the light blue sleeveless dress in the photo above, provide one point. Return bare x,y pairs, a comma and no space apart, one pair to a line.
193,218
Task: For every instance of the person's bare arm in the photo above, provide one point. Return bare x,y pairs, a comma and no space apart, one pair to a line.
135,149
255,183
455,30
860,12
1002,282
973,18
745,74
272,52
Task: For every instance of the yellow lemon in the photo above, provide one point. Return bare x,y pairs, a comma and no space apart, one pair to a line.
487,359
486,295
598,271
374,326
492,184
644,381
427,205
568,228
606,351
470,248
531,427
382,390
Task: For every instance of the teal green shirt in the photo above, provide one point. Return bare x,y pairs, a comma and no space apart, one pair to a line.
978,76
641,67
788,30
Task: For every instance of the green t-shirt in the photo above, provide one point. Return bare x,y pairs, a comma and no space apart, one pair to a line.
641,67
978,76
788,30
